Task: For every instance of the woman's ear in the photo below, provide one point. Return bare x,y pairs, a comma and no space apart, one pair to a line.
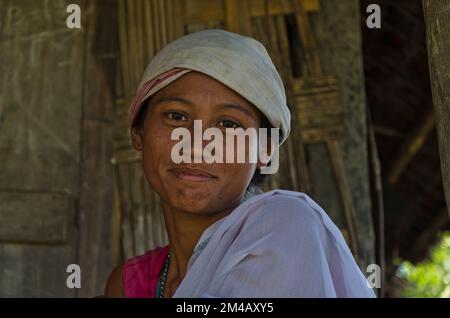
264,153
136,138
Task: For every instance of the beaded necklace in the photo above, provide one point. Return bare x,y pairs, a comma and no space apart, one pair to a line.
163,276
162,279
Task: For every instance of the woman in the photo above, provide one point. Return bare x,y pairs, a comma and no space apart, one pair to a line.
225,240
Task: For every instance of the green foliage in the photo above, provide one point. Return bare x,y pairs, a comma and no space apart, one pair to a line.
430,278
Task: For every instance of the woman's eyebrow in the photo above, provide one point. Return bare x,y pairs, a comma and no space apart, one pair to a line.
169,99
237,107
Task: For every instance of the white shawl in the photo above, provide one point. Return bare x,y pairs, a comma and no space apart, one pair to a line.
276,244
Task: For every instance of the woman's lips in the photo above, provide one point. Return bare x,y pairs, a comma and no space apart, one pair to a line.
190,174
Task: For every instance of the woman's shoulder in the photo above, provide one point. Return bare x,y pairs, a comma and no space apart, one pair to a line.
284,214
294,206
147,258
114,284
131,279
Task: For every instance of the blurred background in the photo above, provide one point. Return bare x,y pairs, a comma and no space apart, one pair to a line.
370,138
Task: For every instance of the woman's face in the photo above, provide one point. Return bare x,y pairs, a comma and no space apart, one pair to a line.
198,188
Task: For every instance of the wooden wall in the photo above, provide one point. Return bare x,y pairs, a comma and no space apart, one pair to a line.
56,132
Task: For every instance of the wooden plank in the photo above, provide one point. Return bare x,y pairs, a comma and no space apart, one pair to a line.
437,21
377,203
30,270
97,128
324,184
35,217
41,82
344,190
202,11
95,205
33,123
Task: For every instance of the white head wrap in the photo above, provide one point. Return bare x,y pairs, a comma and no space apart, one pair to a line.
239,62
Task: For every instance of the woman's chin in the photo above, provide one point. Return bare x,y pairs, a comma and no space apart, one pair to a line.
194,206
197,200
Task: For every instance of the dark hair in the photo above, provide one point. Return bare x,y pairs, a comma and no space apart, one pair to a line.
257,178
140,118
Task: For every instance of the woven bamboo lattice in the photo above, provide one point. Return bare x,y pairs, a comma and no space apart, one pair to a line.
145,26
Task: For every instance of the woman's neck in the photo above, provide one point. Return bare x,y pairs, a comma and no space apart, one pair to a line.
184,230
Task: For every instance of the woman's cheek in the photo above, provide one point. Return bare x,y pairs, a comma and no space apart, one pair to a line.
158,134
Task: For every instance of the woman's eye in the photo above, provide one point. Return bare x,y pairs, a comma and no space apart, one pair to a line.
176,116
229,124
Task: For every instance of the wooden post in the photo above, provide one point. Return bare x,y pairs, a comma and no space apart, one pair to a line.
437,21
377,202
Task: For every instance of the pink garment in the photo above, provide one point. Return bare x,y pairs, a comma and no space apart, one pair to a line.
141,273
